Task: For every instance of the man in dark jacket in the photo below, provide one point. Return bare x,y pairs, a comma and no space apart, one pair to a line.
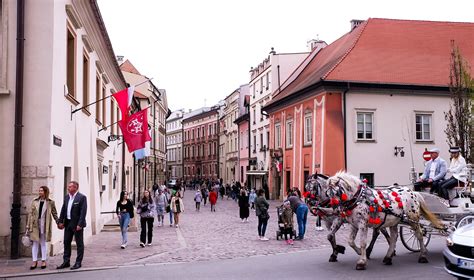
73,220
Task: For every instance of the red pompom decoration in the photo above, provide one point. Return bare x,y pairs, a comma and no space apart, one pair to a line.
381,196
344,197
371,220
394,194
380,209
398,199
377,221
379,191
400,205
348,212
376,201
364,181
334,202
343,215
371,209
386,204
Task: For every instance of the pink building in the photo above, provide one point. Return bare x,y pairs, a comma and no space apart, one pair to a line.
243,123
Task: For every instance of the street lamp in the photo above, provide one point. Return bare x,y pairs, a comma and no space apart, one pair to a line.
399,150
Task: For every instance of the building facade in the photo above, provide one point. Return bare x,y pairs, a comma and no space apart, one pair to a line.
174,140
265,79
230,140
242,123
152,168
332,116
201,130
57,145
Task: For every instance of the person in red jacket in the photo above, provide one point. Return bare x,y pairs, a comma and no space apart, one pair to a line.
213,200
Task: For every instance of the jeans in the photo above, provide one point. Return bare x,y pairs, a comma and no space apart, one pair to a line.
146,222
301,216
171,218
447,185
35,248
124,221
262,226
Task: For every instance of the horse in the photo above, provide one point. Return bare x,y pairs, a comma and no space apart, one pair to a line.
363,208
318,202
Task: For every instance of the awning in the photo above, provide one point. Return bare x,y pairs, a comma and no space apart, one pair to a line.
257,172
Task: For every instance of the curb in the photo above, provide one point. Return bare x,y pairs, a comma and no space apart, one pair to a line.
6,276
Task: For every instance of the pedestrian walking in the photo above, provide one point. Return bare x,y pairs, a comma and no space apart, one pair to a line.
168,196
213,200
198,199
161,202
261,210
252,198
301,210
73,220
177,207
146,209
244,206
124,211
39,225
205,193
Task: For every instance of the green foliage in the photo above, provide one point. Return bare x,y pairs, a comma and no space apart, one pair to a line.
460,122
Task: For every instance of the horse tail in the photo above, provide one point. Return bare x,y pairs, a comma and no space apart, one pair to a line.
430,216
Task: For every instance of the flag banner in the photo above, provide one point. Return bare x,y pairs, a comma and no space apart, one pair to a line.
124,100
135,130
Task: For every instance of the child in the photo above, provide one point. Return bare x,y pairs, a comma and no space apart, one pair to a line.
252,198
198,199
287,219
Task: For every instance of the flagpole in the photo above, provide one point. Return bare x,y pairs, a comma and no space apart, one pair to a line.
85,106
105,127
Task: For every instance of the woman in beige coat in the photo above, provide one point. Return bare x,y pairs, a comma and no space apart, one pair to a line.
39,224
177,207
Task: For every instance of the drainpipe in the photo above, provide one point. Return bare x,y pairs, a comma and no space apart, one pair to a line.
345,125
16,205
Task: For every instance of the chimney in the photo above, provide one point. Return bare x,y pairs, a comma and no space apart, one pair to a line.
315,44
120,59
355,23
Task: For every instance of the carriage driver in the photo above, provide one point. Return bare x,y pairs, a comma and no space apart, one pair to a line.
435,170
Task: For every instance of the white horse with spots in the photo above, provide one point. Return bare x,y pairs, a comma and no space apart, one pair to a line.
363,207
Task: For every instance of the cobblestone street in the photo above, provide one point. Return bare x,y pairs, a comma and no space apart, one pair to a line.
203,235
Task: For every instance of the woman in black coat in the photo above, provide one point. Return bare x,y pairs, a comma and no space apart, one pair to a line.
244,206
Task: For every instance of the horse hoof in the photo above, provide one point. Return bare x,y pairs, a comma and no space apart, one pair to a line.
333,258
387,261
340,249
423,260
361,266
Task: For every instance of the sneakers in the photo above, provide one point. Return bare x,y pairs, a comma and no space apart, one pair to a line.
319,228
299,238
171,225
289,241
142,244
123,246
177,226
243,220
246,220
264,238
148,244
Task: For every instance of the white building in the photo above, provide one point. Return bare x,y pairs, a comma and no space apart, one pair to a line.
264,80
68,62
174,142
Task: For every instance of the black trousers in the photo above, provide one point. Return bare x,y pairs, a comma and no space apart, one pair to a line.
69,232
419,186
146,222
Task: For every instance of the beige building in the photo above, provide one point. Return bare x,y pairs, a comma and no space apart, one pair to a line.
153,168
68,62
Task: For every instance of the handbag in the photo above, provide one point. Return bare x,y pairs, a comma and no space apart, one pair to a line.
25,240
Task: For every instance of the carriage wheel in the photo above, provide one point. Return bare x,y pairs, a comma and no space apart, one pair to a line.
407,235
464,220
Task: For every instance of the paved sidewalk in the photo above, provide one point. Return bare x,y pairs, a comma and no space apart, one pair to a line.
201,236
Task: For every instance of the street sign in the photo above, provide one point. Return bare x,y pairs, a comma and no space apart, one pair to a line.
426,155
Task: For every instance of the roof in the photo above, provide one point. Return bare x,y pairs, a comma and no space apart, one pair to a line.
387,51
127,66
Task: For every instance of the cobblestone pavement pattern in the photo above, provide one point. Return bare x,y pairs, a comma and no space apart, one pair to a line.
202,236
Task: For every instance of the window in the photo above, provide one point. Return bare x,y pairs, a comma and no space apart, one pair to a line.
253,90
369,177
308,130
423,127
289,134
365,125
198,136
277,136
209,130
85,83
104,109
268,80
112,113
254,143
261,141
71,63
215,129
261,85
268,139
254,114
98,96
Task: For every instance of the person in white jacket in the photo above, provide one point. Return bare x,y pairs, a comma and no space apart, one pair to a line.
456,172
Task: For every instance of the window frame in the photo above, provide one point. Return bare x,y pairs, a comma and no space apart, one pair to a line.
71,88
364,113
289,136
85,82
277,136
424,114
308,131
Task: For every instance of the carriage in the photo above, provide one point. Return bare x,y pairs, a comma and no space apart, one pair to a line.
450,213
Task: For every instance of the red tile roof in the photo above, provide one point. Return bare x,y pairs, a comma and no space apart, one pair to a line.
127,66
387,51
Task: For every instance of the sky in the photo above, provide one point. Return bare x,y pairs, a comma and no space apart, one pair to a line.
200,51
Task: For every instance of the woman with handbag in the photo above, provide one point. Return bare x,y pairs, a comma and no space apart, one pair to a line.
261,210
177,207
124,210
146,209
39,225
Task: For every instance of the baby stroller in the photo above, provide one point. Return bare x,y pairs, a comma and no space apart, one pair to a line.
281,226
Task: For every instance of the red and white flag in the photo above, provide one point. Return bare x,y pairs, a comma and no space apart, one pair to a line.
124,100
135,130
